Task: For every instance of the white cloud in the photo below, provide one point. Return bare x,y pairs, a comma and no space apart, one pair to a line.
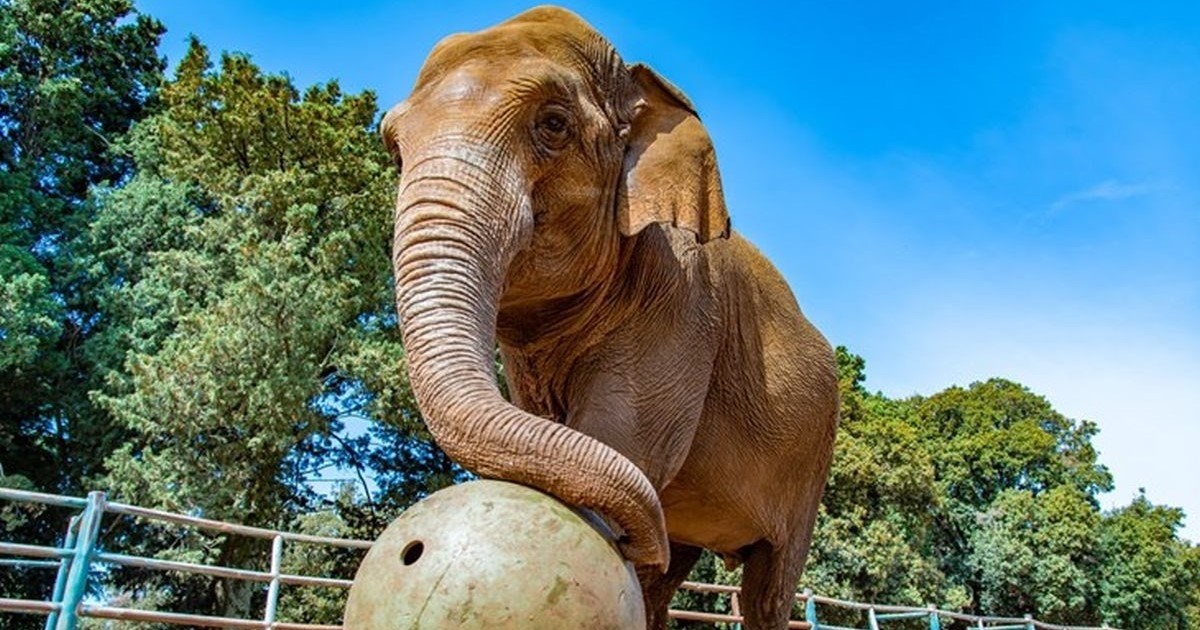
1109,190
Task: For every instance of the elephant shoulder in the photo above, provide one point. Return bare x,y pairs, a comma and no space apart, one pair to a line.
740,266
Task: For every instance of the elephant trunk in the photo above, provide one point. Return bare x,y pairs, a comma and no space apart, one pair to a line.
453,242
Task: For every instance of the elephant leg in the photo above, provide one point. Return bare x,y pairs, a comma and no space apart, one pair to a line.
769,585
658,588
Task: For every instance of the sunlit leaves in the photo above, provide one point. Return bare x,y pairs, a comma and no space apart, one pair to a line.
984,499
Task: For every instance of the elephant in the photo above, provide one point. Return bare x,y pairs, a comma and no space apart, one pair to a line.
566,206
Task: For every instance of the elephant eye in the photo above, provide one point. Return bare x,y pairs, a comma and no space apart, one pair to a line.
553,127
554,124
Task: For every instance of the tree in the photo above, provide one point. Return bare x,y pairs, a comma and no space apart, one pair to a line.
1002,436
247,274
873,531
1150,577
74,75
989,438
1036,553
980,498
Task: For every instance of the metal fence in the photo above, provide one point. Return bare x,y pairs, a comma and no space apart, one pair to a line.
80,556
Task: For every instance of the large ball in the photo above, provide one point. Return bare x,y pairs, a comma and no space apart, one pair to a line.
491,554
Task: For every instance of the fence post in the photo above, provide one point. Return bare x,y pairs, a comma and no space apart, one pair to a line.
77,576
273,589
934,622
810,609
64,565
735,609
872,620
1029,622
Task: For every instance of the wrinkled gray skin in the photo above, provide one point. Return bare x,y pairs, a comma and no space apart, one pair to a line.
568,206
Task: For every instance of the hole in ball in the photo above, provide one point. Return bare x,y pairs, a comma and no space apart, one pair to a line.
412,552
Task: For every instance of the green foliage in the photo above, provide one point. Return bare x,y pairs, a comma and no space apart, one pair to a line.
74,75
29,316
244,304
997,435
983,499
1036,552
989,438
709,569
874,530
247,280
1150,578
321,605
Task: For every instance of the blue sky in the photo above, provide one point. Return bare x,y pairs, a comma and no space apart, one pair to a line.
954,191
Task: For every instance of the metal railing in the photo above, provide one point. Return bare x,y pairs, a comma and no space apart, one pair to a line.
877,615
80,556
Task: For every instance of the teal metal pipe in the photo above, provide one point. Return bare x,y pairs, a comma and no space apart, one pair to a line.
30,564
77,576
273,589
64,565
921,614
810,609
24,496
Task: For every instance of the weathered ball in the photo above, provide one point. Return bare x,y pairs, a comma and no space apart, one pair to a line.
491,554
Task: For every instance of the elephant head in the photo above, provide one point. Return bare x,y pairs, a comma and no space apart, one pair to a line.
530,154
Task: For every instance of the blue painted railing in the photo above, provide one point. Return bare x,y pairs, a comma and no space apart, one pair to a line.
80,555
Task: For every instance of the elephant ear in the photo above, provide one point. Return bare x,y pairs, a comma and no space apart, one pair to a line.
387,129
670,171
